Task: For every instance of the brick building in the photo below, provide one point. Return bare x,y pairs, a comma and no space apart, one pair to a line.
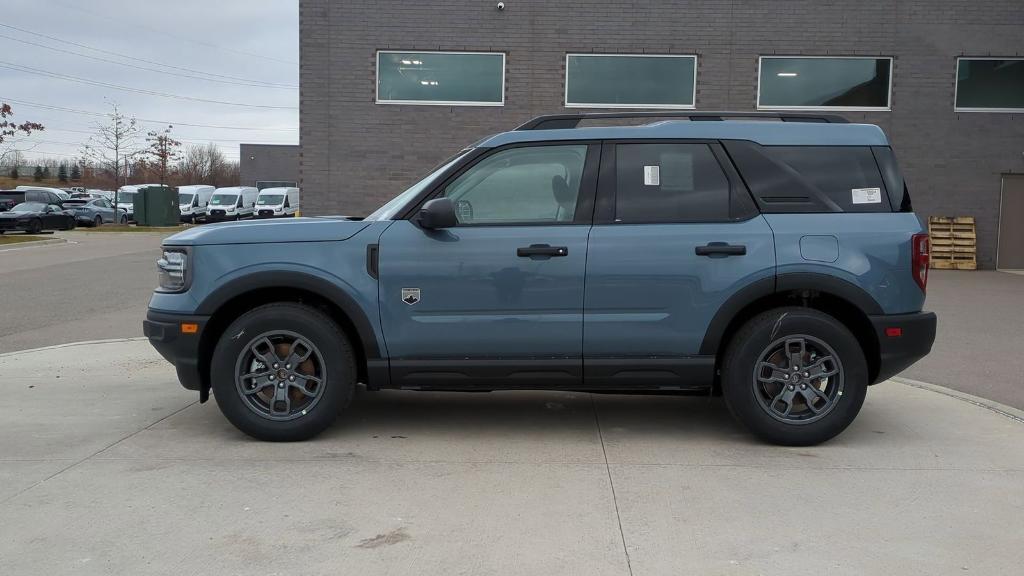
264,165
944,79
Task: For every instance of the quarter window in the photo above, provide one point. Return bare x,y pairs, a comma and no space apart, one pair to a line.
986,85
669,183
824,83
528,185
444,78
629,81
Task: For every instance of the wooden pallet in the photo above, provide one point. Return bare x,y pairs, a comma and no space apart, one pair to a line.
954,242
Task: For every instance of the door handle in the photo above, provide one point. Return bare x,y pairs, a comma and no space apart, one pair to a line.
541,250
720,250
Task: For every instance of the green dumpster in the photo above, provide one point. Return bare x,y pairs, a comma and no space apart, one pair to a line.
157,206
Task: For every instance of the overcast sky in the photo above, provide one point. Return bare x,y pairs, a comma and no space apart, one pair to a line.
243,52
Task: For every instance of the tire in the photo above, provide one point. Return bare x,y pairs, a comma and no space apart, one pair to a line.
36,227
252,413
97,222
753,385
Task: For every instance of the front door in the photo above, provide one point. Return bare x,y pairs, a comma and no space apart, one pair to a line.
500,295
1010,252
675,235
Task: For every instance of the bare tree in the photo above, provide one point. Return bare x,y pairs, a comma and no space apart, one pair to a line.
9,130
162,152
113,146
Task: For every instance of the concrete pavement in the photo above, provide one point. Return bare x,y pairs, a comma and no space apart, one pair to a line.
108,467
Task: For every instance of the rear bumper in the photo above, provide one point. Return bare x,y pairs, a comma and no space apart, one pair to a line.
897,353
178,348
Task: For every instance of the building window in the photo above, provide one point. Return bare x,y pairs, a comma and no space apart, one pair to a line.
824,83
630,81
441,78
990,85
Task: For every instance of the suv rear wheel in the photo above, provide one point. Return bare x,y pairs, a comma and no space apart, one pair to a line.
794,376
282,372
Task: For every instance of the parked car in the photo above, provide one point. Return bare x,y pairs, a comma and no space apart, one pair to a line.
231,203
277,203
9,198
192,201
778,263
95,211
62,194
126,198
34,217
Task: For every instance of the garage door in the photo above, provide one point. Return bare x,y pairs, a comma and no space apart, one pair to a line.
1011,224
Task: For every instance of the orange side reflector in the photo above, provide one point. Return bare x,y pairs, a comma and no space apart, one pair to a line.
189,328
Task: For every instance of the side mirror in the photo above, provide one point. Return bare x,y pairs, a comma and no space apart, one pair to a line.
438,213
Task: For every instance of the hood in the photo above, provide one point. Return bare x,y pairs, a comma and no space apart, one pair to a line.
269,231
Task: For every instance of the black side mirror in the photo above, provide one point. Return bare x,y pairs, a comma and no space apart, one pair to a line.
438,213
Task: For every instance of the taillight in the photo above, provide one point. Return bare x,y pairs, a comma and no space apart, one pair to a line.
920,260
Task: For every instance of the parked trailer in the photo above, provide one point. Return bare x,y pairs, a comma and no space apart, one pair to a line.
277,203
192,201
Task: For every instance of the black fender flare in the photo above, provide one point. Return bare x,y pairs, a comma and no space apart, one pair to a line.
291,279
784,283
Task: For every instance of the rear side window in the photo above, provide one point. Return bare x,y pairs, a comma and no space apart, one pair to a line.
669,183
811,178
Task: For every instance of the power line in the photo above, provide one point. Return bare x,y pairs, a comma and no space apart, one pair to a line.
232,83
207,44
184,138
104,115
46,73
137,59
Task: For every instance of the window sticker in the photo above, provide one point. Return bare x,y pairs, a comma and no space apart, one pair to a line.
867,195
652,175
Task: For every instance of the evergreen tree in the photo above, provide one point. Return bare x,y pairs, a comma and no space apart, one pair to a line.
14,173
37,175
46,173
62,172
76,173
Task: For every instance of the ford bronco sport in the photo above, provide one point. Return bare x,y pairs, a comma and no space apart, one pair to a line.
773,258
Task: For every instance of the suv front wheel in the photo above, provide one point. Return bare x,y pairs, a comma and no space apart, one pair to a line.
794,376
282,372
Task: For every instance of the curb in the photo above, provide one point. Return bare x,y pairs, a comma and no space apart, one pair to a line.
990,405
70,344
21,245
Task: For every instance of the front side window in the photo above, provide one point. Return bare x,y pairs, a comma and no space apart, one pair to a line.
989,85
823,83
445,78
669,183
629,81
528,185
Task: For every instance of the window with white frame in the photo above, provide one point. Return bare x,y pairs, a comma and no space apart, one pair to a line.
441,78
630,81
990,84
824,83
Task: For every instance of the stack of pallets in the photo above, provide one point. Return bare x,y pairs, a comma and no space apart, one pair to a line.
954,242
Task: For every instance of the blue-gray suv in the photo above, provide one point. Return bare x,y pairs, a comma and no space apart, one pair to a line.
772,258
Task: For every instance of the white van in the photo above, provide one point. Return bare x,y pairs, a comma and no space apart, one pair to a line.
231,203
126,198
277,202
192,201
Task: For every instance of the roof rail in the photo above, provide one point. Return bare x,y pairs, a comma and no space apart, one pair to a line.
557,121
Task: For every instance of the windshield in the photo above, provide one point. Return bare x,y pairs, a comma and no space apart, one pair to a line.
29,207
125,197
270,199
184,199
390,210
224,200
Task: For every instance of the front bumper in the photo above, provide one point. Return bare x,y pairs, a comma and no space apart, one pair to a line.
181,349
902,340
10,224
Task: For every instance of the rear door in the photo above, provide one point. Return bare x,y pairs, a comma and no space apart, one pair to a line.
675,235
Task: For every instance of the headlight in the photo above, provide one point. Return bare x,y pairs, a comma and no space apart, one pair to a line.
173,270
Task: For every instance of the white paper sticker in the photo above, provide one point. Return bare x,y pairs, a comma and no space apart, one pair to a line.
652,175
867,195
